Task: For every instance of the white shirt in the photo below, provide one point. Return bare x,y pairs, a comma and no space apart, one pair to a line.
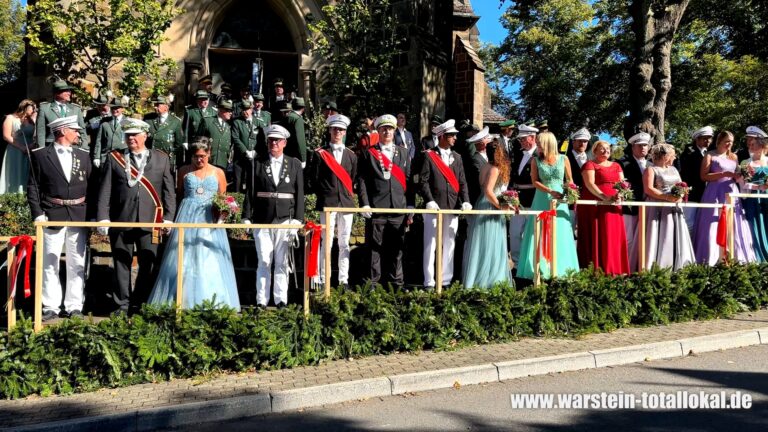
163,118
60,106
527,154
445,154
338,151
435,140
389,151
642,164
484,155
276,164
581,158
64,154
402,136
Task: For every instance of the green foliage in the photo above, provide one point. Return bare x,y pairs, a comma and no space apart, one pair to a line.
160,344
15,214
11,39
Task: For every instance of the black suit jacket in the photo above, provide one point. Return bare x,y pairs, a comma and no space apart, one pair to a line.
472,169
120,203
47,181
322,182
524,178
432,185
634,176
276,210
690,172
578,179
376,191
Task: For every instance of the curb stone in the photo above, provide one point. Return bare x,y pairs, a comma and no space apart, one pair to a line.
721,341
545,365
443,378
637,353
287,400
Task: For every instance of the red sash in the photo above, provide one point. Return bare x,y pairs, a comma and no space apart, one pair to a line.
152,193
397,172
337,169
444,169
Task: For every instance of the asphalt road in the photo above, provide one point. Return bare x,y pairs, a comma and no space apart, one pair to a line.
489,407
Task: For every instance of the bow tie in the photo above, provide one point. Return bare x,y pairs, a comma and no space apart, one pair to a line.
137,155
337,148
581,156
388,147
63,150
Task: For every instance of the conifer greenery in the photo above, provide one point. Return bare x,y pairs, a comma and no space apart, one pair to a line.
78,356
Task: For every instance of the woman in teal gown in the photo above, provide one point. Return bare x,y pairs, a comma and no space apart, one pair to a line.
548,172
756,209
485,250
208,273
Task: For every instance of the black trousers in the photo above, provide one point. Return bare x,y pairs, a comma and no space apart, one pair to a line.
243,172
124,242
386,239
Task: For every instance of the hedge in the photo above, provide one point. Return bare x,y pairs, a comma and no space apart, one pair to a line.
78,356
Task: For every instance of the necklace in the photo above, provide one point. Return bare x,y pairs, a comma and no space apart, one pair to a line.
133,181
386,170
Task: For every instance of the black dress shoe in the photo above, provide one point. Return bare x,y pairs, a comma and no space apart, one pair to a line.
76,314
49,315
63,314
281,305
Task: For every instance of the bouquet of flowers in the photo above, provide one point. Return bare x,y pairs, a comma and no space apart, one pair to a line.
224,208
623,190
747,171
682,190
570,193
511,198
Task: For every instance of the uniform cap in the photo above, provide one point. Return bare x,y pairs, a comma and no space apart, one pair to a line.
478,136
201,94
277,131
258,97
224,104
64,122
525,130
449,127
755,131
338,121
385,120
639,138
581,134
705,131
204,80
507,123
134,126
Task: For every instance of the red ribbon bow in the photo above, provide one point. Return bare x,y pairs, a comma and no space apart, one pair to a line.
722,229
546,217
313,231
24,243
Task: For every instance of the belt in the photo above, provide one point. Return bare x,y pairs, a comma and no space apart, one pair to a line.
523,186
67,202
277,195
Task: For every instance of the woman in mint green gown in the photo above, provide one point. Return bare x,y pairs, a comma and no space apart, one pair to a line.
549,171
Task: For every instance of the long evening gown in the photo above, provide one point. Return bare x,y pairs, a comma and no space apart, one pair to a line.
208,269
15,170
602,239
756,210
552,176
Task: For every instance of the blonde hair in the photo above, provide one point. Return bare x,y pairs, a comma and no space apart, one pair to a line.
659,151
548,144
723,136
600,143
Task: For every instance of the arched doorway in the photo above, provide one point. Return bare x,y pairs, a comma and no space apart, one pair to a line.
247,33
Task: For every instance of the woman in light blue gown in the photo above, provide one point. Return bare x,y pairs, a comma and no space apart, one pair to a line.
485,250
208,273
548,172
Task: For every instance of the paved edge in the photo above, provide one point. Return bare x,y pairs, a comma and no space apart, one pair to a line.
294,399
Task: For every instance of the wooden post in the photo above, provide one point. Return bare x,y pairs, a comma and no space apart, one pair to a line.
11,301
327,245
553,240
439,254
307,245
641,242
39,278
536,253
179,271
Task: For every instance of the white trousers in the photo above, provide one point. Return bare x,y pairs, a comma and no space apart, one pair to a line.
450,227
341,228
632,232
73,241
272,245
516,230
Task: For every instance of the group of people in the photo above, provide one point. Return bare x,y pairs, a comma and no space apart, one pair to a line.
133,170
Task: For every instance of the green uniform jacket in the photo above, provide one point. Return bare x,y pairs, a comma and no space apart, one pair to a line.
193,118
167,137
48,113
221,137
110,137
297,143
245,136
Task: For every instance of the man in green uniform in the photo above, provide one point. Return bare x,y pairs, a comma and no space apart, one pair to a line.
195,115
261,119
245,137
218,129
110,136
294,122
165,133
245,95
61,106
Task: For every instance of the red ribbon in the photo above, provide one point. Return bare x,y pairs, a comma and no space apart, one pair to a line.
313,231
722,229
24,243
546,218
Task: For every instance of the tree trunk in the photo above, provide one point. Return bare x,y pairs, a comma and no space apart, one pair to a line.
654,23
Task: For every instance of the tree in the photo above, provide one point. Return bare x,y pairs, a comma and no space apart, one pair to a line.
11,39
90,38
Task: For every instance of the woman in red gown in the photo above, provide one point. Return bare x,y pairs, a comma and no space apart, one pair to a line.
602,240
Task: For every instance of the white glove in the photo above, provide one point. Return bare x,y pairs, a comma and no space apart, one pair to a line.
103,230
465,206
250,154
432,206
294,232
41,218
366,215
167,230
96,163
247,222
303,165
186,146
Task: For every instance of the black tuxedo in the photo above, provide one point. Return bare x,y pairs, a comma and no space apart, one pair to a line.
268,210
120,203
523,178
634,176
472,168
578,179
690,172
433,186
322,182
47,182
376,191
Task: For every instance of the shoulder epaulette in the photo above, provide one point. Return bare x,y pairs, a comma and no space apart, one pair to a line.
176,117
74,104
37,149
45,103
82,149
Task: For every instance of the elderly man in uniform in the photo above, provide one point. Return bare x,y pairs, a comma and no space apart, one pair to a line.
194,116
246,135
382,174
442,185
61,106
634,165
521,181
110,136
57,191
218,129
165,133
261,119
690,171
330,177
473,166
293,122
136,186
276,102
95,116
245,96
277,198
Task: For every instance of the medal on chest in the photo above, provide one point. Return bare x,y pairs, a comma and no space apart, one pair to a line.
386,170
